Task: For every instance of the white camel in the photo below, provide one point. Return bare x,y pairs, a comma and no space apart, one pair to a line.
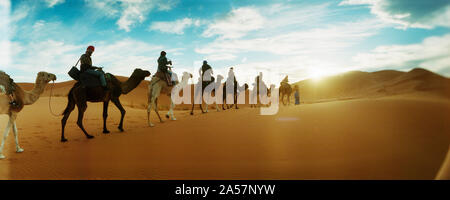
28,98
158,86
217,92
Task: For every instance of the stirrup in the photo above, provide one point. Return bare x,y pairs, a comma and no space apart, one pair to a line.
13,103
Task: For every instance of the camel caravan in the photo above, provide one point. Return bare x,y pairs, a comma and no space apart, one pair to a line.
94,85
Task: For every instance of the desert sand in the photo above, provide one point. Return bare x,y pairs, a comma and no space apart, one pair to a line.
358,125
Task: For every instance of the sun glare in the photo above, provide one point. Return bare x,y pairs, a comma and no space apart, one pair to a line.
317,74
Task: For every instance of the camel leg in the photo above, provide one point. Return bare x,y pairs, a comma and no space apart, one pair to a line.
193,103
223,104
281,98
67,112
235,101
157,112
5,135
172,106
105,116
206,109
201,108
150,104
149,109
81,109
122,113
170,112
217,108
16,136
192,110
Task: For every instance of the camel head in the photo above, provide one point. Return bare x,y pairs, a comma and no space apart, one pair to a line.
245,86
219,77
186,75
44,77
140,74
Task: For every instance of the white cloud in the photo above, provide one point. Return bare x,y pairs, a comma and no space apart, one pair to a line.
52,56
236,24
175,27
5,58
129,12
432,54
407,13
315,41
51,3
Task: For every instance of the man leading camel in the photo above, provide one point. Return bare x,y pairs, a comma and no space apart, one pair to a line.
86,66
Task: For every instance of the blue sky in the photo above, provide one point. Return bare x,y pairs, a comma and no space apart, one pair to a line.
302,39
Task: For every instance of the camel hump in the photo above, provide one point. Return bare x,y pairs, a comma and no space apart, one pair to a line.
11,89
285,84
7,82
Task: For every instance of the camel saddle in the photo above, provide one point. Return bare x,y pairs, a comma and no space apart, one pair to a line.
164,76
87,80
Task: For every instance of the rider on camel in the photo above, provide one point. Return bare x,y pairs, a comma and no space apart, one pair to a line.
86,66
163,70
205,67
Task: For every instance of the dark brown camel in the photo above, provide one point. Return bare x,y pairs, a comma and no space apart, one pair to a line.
285,90
79,96
235,95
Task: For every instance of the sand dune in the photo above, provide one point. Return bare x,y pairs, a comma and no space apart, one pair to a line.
402,133
357,84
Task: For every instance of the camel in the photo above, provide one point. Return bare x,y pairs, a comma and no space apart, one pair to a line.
217,84
28,98
235,94
158,86
79,96
285,89
201,91
255,93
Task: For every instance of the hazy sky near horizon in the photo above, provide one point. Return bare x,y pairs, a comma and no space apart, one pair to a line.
302,39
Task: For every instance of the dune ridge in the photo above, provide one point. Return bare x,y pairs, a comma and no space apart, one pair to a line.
358,84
